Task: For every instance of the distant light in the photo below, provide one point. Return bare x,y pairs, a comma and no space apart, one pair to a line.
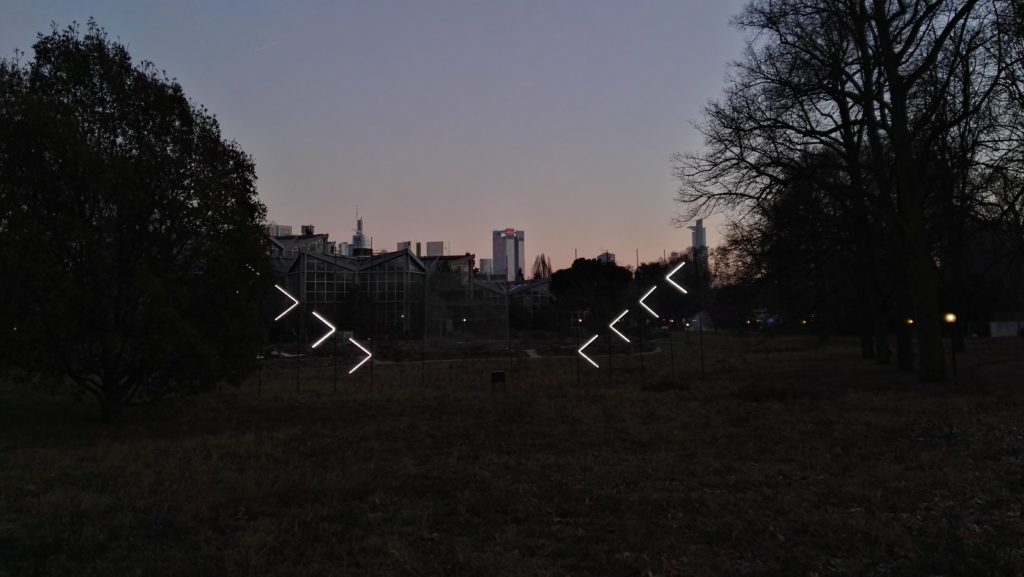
748,321
803,322
909,321
463,320
949,318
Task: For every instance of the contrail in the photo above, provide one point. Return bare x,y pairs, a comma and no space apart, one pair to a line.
266,46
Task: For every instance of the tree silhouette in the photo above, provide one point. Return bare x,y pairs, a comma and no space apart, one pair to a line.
130,229
541,267
884,90
591,285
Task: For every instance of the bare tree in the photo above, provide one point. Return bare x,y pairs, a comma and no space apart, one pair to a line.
541,267
866,83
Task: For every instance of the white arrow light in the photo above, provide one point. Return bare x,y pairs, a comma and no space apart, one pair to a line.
585,345
615,330
295,302
329,333
361,347
647,308
668,277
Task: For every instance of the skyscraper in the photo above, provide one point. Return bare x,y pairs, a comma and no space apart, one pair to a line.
509,254
359,239
699,237
435,248
699,247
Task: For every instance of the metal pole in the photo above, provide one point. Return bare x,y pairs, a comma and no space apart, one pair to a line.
609,359
672,353
700,324
335,355
577,355
952,348
298,345
642,326
952,345
508,326
423,342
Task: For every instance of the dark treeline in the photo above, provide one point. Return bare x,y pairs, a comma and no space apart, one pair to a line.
870,153
130,231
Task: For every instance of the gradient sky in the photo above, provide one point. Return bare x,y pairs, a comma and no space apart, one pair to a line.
444,120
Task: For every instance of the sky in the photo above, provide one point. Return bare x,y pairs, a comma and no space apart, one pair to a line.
444,120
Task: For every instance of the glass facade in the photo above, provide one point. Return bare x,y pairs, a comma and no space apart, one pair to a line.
380,297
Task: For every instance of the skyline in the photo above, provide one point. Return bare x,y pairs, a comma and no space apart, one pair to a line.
447,121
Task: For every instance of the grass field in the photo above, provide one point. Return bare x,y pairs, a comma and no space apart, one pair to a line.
787,458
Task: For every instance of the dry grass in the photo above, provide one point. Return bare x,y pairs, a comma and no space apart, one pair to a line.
786,459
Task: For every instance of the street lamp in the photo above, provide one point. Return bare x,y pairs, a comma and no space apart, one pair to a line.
950,319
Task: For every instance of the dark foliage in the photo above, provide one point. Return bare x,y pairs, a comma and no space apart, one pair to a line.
590,285
129,229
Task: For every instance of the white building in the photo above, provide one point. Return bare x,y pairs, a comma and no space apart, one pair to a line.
509,253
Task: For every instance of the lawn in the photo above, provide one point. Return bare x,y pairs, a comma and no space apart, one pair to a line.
787,458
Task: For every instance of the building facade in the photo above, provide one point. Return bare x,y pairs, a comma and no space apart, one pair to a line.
378,296
509,255
435,248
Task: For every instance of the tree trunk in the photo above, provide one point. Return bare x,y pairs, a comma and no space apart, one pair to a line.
905,348
923,284
867,341
932,367
883,352
922,281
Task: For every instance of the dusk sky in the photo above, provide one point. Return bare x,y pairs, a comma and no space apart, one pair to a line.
444,120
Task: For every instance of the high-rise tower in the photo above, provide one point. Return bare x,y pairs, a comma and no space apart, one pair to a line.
509,255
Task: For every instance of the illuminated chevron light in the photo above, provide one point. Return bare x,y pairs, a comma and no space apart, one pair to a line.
643,304
329,333
615,330
668,277
362,348
585,345
295,303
